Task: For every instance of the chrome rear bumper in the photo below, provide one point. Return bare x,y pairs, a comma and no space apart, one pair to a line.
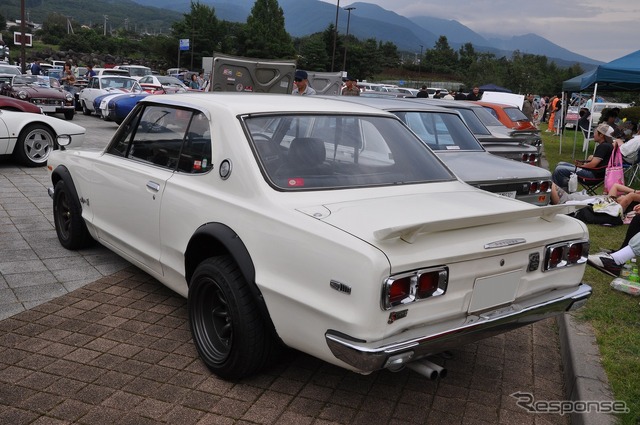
415,343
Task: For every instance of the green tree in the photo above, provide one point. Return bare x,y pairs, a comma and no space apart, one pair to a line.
265,35
312,53
442,59
204,31
54,28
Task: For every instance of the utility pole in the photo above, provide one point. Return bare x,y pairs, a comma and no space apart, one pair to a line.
346,39
420,64
335,38
106,18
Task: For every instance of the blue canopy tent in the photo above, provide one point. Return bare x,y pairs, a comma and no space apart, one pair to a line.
621,74
493,87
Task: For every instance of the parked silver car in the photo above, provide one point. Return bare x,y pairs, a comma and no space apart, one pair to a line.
445,133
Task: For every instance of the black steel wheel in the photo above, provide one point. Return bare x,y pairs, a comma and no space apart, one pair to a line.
228,329
67,216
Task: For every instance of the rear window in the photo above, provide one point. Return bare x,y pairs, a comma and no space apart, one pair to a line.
301,152
515,114
440,131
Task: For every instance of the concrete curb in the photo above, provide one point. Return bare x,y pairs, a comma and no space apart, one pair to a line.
584,375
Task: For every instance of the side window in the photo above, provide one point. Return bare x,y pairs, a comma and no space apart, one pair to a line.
172,138
196,152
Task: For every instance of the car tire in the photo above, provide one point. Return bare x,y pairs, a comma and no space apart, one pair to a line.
229,332
67,216
34,145
68,115
85,110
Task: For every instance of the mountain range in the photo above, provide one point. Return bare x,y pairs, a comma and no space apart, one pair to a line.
303,17
410,34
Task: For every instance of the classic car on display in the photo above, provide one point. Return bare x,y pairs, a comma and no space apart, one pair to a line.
30,138
117,107
494,136
12,104
44,92
168,84
445,133
317,224
510,116
105,84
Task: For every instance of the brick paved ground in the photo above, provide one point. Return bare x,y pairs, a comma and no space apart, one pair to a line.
119,351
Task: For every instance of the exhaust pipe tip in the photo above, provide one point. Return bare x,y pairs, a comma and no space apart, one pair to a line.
424,370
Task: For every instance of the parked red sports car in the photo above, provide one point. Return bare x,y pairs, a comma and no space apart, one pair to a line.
10,104
509,115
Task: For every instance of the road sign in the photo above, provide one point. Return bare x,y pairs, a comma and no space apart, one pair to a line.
184,44
18,37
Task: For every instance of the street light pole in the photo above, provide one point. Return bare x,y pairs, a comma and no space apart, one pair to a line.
346,39
420,64
335,37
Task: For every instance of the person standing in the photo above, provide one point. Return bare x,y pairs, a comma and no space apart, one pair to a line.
475,94
301,84
90,72
351,88
193,84
553,104
68,79
527,107
423,92
35,68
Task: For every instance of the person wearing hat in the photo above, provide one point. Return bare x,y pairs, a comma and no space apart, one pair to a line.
351,87
594,166
301,84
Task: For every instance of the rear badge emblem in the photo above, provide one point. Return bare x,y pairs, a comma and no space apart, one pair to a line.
504,242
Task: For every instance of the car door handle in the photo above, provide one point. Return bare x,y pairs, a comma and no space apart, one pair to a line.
153,186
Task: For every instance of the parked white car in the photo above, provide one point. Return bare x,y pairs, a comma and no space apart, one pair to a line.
105,84
136,71
30,138
315,223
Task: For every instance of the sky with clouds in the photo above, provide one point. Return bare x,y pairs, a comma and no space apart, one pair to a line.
600,30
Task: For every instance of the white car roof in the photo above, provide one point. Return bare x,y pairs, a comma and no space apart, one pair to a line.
247,103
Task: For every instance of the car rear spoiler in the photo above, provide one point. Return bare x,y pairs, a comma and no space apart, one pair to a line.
409,232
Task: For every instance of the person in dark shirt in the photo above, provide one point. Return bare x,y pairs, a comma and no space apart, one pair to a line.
35,68
423,92
475,94
591,168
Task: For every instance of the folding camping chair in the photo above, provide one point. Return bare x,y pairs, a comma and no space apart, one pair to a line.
591,185
631,172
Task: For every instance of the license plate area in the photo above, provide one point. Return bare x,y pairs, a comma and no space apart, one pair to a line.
48,108
511,194
496,290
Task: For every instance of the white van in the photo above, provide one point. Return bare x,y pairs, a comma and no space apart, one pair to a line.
111,71
135,71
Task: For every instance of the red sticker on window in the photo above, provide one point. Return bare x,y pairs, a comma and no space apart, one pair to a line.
197,165
295,182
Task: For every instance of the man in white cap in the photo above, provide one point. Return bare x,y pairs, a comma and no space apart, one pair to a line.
301,84
594,166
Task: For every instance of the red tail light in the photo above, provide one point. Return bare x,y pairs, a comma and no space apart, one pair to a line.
545,186
534,187
414,286
566,254
399,290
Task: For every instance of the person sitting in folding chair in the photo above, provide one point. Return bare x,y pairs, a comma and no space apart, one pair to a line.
592,169
629,148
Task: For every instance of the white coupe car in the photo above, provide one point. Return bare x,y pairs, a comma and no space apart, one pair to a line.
105,84
316,224
30,138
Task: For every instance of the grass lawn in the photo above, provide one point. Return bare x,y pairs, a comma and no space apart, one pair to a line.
614,315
